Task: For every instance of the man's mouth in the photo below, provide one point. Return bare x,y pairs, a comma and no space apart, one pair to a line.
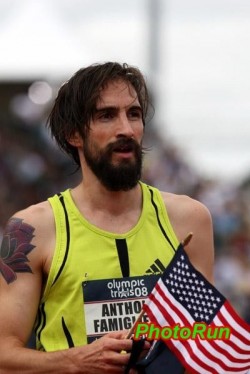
124,146
124,149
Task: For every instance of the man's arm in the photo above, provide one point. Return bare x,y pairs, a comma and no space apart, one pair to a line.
23,257
189,215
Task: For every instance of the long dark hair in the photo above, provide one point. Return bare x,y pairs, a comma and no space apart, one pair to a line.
77,98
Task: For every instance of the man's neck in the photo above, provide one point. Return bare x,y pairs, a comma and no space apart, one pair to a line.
115,211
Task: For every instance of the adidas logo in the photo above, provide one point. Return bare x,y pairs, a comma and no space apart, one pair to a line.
156,268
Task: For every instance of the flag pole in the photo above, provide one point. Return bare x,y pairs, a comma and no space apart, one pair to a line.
184,242
138,319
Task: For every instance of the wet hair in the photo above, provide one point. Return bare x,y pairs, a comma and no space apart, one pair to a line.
77,98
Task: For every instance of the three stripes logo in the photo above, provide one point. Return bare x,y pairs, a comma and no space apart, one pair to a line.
156,268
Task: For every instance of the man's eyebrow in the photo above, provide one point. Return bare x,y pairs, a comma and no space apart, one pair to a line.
137,107
105,108
113,108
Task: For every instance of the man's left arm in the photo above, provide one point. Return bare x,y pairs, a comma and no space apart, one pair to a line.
189,215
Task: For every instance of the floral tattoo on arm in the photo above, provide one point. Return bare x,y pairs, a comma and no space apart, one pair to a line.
16,245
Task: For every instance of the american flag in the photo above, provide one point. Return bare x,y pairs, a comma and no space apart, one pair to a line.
183,296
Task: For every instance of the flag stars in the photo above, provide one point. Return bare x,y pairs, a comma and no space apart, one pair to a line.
191,290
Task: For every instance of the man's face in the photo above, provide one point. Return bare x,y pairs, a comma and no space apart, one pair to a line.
112,148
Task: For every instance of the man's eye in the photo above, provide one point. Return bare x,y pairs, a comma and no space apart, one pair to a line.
106,116
135,114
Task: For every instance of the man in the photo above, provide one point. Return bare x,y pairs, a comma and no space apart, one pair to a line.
104,237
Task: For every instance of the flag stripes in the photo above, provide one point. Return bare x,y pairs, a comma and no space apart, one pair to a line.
165,308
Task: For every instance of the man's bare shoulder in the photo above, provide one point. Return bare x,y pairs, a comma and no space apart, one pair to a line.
39,208
40,216
189,215
39,220
28,242
184,206
186,214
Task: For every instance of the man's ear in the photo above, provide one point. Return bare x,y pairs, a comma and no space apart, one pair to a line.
75,140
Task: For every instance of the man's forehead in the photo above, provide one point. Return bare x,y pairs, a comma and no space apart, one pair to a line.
117,91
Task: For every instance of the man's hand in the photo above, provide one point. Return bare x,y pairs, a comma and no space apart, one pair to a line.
109,354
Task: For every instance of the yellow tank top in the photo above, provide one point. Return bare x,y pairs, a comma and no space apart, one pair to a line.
98,280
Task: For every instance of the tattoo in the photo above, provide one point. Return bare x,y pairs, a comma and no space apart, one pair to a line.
15,248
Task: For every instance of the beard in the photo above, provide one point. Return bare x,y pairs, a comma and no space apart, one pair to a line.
122,176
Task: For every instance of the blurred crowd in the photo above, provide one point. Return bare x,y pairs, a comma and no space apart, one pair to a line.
229,205
32,169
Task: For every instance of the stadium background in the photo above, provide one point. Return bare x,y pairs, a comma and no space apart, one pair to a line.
196,58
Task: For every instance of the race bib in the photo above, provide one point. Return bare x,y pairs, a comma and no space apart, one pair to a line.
114,304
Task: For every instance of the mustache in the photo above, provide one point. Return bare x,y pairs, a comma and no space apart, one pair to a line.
124,145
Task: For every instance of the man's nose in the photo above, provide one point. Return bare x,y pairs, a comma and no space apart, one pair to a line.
124,127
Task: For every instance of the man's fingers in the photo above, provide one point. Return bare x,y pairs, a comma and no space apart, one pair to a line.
121,346
119,359
117,334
